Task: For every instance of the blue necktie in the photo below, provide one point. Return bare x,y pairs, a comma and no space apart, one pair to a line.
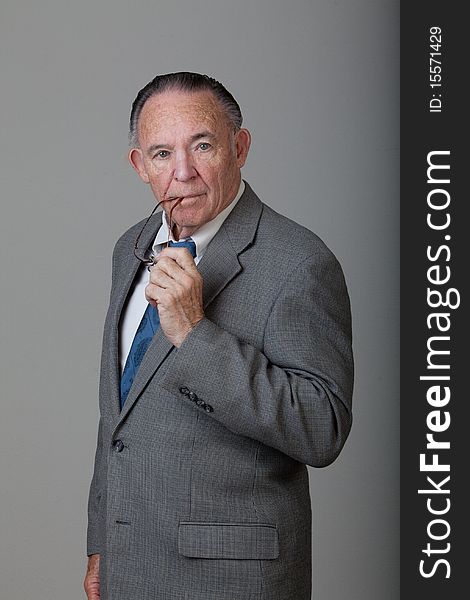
144,334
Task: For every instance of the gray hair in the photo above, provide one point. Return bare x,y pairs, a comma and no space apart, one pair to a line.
186,82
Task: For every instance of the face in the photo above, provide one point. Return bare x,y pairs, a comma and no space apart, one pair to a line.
189,149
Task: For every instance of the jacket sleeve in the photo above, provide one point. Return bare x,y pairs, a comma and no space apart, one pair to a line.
98,482
94,498
293,394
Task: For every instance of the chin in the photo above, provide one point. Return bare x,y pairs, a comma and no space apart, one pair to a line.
190,219
192,211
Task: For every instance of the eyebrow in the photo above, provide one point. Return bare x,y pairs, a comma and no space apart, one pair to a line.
197,136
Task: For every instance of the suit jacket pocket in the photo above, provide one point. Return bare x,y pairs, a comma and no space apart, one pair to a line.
228,540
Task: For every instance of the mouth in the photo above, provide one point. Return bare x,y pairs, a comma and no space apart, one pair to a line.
184,197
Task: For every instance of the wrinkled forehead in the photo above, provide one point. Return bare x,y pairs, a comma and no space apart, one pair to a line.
180,111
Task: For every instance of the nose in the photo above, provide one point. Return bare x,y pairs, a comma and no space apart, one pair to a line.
184,167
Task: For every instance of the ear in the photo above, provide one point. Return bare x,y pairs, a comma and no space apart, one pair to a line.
242,144
137,161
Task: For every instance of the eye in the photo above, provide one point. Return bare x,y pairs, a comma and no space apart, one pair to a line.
204,146
162,154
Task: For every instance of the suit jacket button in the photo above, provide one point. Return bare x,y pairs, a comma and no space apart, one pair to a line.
119,445
184,390
200,402
208,408
192,396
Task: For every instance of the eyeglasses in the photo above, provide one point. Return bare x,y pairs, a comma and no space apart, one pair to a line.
151,260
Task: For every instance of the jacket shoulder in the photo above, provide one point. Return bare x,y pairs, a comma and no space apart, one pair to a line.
295,241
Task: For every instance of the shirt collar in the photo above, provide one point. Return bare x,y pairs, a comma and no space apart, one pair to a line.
205,233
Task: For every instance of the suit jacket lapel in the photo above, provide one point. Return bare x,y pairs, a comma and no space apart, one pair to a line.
126,269
218,266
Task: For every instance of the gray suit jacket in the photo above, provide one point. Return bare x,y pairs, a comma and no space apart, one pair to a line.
200,489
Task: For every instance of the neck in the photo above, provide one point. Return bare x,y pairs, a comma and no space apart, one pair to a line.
182,232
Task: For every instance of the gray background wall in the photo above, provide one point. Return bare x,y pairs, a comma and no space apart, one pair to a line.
318,85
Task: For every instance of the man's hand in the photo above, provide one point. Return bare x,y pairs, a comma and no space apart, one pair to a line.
175,288
92,578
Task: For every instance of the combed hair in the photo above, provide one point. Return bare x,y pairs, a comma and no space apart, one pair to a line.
184,81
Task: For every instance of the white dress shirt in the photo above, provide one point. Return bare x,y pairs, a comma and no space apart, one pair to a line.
137,303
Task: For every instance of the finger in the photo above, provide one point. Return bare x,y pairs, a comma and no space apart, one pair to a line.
169,266
156,295
182,256
162,280
152,293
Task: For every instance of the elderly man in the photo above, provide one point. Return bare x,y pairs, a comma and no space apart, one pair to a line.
226,368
